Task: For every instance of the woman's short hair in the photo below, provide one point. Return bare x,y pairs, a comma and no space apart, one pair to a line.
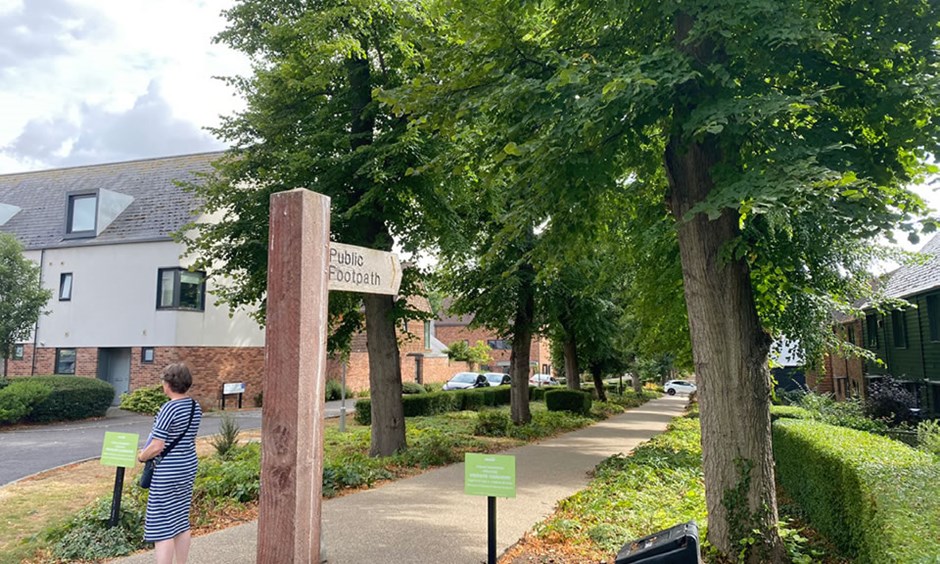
178,377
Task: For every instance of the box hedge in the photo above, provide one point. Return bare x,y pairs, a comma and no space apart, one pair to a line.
72,397
537,393
875,498
574,401
789,412
18,399
433,403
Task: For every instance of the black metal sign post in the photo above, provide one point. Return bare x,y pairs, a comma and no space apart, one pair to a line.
491,530
116,498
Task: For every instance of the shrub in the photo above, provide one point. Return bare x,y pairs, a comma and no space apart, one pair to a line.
236,478
227,439
412,388
431,447
789,412
434,386
537,393
334,390
145,400
19,398
888,399
72,397
928,437
473,399
352,471
492,423
86,537
547,424
873,497
574,401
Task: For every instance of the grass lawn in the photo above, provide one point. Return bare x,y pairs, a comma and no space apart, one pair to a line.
31,507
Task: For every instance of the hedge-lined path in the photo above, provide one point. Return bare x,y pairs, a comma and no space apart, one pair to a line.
31,449
428,519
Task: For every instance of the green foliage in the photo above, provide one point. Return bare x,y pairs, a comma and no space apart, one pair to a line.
432,447
22,297
873,497
537,393
72,397
659,485
928,436
234,478
145,400
86,537
475,355
850,413
413,388
352,471
574,401
334,391
432,403
227,439
19,398
548,424
434,386
492,423
789,412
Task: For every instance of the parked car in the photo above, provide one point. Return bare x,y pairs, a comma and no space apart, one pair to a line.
498,378
674,387
543,380
464,380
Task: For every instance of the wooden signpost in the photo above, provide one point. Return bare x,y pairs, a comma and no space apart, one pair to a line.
302,267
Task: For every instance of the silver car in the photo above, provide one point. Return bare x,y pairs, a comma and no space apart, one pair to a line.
464,380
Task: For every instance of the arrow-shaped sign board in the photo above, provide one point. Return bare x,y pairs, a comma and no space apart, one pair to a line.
358,269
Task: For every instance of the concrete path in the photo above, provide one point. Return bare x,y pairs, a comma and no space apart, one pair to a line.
428,519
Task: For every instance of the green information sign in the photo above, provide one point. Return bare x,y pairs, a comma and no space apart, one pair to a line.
491,475
119,449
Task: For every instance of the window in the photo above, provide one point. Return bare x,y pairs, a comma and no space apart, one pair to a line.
81,214
899,328
65,361
933,317
146,355
499,344
65,287
427,335
178,288
850,334
871,322
18,352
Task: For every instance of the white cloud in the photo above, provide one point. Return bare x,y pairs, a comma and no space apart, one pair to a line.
99,80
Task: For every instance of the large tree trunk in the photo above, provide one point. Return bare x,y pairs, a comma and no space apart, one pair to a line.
388,416
521,343
598,376
572,372
730,353
729,346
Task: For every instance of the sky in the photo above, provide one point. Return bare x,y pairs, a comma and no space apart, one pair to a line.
96,81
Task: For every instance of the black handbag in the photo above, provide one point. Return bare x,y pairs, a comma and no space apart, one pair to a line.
149,466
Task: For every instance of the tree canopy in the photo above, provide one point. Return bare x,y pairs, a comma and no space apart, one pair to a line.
22,299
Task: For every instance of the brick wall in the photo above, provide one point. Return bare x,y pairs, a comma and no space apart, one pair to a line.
539,351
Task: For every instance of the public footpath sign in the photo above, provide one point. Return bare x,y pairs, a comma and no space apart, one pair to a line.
492,475
358,269
120,450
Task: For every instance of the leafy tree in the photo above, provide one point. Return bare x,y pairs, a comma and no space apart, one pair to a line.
780,134
22,299
311,121
475,355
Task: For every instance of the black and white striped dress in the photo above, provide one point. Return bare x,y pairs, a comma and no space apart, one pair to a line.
171,491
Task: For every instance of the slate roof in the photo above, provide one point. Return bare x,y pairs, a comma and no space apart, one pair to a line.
447,319
160,207
916,278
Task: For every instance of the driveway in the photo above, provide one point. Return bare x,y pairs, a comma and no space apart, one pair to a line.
29,450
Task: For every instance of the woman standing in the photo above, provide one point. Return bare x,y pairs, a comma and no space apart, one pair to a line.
171,490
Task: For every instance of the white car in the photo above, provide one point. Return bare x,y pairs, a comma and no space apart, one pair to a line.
464,380
543,380
674,387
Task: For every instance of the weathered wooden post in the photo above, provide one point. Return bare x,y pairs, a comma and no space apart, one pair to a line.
295,376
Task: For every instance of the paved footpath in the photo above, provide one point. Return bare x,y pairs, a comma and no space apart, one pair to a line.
428,519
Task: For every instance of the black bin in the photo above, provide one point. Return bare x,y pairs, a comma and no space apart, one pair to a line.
676,545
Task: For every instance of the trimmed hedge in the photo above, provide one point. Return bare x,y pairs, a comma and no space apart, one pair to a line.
433,403
18,399
72,397
875,498
789,412
537,393
574,401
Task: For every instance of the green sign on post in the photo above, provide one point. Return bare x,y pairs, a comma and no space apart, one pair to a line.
490,475
119,449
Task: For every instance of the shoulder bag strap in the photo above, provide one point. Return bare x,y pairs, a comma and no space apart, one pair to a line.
192,412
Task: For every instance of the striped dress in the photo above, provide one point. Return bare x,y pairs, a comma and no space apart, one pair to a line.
171,491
